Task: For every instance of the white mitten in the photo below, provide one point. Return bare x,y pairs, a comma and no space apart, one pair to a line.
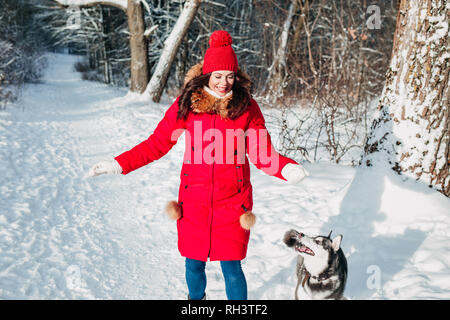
110,167
294,173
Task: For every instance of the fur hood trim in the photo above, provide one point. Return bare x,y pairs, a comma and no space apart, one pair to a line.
193,72
202,101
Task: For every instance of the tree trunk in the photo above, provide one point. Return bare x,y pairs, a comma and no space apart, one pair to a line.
138,44
138,47
277,71
411,133
159,78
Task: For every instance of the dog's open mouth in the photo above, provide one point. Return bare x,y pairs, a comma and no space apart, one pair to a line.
304,249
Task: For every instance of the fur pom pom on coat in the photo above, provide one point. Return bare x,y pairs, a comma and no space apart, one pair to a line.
173,211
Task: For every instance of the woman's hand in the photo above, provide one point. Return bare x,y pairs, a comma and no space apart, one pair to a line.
294,173
102,167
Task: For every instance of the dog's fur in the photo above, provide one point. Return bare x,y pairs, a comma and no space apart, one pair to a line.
321,265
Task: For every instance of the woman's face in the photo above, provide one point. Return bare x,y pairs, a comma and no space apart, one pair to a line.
221,82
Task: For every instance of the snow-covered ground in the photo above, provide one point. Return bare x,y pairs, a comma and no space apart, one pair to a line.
66,236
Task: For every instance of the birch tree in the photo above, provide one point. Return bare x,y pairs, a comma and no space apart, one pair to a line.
171,45
411,133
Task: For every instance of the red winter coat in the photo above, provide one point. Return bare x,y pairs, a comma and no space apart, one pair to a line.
215,187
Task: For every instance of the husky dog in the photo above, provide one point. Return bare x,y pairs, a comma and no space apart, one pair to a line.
321,265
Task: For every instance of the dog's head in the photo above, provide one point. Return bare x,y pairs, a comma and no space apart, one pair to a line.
317,251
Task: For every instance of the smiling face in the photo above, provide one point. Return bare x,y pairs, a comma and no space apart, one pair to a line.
221,82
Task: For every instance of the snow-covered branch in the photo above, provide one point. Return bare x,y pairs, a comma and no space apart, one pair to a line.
122,4
150,30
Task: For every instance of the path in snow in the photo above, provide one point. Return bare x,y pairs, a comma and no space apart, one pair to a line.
66,236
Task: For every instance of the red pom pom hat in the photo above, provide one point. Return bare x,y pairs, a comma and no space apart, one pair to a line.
220,55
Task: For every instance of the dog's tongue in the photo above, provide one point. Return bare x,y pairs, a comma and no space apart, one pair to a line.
306,250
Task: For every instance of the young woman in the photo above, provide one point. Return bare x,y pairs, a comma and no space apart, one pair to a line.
223,125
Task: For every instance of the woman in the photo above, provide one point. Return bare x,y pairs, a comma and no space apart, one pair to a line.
222,124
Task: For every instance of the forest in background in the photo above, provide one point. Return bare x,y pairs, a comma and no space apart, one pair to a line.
291,49
340,47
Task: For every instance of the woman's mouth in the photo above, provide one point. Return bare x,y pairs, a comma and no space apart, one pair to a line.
222,89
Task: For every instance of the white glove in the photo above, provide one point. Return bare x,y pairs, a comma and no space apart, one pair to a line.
294,173
110,167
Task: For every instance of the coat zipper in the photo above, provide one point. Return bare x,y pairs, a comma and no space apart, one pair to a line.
212,186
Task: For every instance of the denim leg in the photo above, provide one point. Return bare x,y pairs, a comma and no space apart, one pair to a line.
235,283
195,278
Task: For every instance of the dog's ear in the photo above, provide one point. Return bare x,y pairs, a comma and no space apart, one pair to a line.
336,244
290,238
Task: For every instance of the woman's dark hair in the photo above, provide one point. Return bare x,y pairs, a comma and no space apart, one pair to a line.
240,101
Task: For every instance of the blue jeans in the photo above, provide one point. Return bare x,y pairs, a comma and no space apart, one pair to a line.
235,283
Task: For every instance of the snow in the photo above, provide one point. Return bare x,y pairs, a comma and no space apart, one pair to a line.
66,236
119,3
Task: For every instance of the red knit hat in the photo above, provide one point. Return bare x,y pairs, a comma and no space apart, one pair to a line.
220,55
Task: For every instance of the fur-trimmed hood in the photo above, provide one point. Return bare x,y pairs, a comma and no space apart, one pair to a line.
193,72
204,102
